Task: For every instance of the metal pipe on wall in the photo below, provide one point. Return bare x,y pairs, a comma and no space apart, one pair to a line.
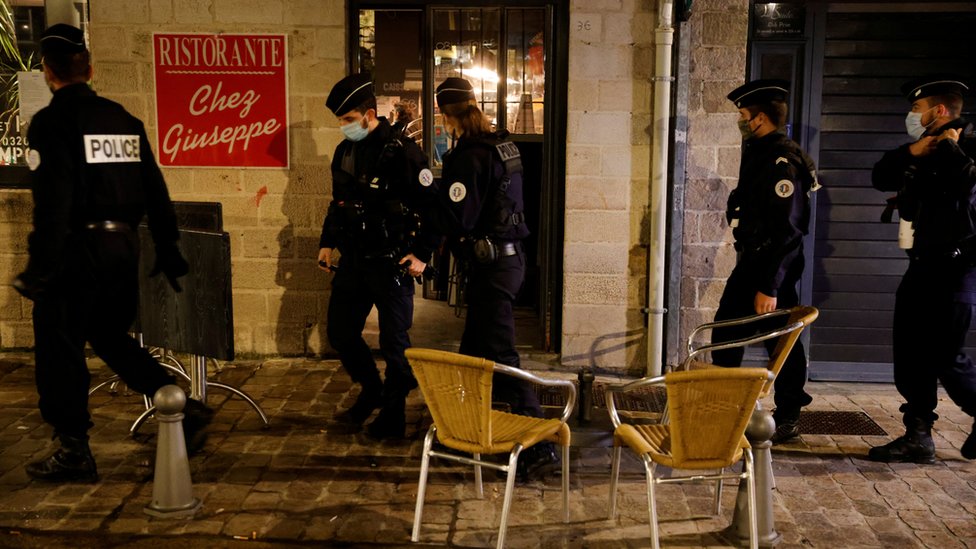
663,40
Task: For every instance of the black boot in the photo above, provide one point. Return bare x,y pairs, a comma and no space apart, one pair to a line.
391,422
968,449
73,461
370,398
538,462
915,446
787,427
196,417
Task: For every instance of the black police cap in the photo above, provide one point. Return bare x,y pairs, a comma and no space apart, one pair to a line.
62,39
349,93
759,91
454,90
936,84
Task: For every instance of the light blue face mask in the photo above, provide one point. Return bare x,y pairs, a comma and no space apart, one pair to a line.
354,131
914,126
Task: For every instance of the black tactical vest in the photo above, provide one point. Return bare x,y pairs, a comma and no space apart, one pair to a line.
503,214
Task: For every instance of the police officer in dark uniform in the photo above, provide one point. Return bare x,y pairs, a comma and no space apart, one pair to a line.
381,193
935,178
93,179
769,212
484,219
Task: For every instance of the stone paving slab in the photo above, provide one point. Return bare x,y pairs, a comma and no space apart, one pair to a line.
302,482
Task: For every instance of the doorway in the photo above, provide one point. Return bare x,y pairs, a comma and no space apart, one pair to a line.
858,54
507,51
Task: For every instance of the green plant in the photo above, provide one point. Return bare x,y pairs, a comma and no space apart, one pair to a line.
11,62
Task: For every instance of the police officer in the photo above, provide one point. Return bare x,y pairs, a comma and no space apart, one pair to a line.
481,194
769,212
935,179
93,178
381,191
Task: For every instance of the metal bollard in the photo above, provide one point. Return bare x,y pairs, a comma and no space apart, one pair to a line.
585,378
172,488
761,427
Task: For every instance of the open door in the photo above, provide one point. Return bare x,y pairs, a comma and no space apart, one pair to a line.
505,51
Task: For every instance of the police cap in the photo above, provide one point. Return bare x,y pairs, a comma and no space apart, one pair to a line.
454,90
935,84
62,39
759,92
349,93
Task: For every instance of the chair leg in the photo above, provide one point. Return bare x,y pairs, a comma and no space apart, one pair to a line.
509,488
718,495
614,475
751,490
566,483
478,486
422,483
651,501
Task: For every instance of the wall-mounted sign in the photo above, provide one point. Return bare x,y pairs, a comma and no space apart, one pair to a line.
778,20
221,100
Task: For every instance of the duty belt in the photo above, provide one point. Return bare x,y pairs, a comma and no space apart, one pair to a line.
116,226
933,257
506,249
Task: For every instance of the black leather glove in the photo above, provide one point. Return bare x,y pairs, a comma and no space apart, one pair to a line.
170,262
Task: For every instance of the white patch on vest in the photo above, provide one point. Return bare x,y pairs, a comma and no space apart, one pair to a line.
783,160
102,149
457,192
734,223
784,188
33,159
425,177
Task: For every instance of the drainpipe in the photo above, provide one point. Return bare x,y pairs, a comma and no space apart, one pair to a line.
663,39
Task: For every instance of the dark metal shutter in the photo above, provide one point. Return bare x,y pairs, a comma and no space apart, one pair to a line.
857,264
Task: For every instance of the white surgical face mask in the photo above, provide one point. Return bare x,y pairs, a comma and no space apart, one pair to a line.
914,126
355,131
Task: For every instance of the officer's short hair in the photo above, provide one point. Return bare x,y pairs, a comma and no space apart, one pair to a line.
370,103
952,102
775,110
69,67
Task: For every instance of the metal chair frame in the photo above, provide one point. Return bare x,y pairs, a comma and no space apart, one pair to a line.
650,467
508,468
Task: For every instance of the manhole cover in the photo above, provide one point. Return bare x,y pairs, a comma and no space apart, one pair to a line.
838,423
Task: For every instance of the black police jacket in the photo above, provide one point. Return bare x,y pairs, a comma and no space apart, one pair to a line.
375,183
937,193
481,189
90,161
769,210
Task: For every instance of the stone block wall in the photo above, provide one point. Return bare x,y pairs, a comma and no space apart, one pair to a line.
16,330
273,216
607,176
718,30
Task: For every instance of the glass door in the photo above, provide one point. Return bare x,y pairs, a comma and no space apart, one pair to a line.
503,50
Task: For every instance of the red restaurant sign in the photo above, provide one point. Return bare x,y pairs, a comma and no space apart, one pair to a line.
221,100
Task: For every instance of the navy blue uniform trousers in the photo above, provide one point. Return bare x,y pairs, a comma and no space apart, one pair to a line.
738,300
94,300
356,288
489,328
929,334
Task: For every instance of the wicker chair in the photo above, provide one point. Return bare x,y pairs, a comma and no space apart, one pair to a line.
798,318
457,390
709,410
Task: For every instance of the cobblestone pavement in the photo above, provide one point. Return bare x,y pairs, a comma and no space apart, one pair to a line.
302,483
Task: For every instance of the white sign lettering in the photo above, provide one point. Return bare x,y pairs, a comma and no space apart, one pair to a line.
101,149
